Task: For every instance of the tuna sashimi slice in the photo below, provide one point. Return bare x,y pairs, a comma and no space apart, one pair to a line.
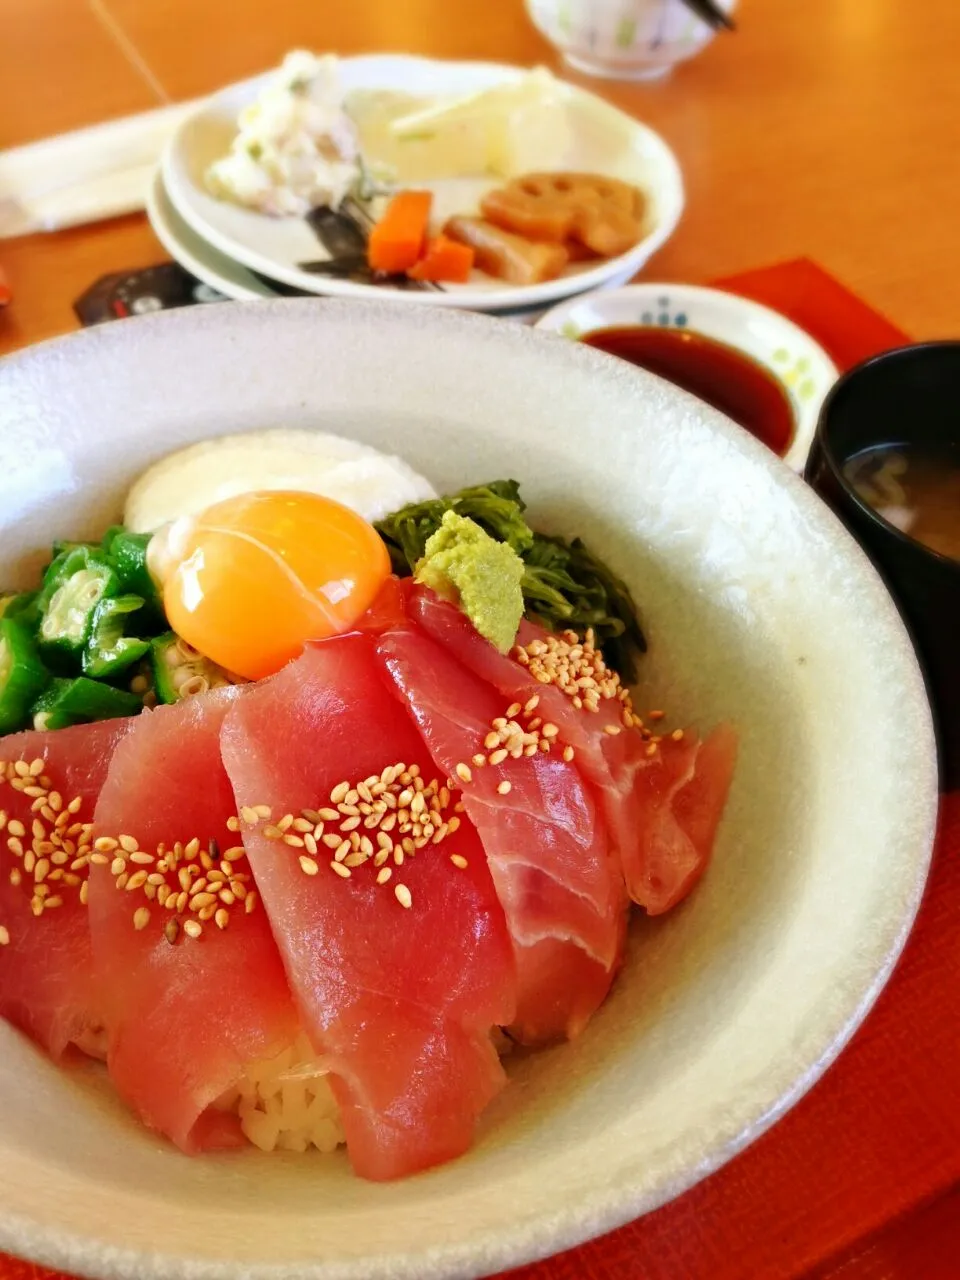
547,845
642,787
400,959
46,982
683,795
184,1015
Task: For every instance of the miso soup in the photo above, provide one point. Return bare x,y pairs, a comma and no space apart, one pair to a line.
917,492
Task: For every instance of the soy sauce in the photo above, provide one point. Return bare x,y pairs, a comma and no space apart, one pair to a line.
720,375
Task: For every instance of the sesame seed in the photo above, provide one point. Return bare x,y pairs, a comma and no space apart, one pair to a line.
677,735
16,828
4,936
340,869
53,901
479,760
192,929
128,844
568,754
249,815
309,843
612,729
171,930
36,768
403,896
463,773
550,730
458,860
339,792
75,805
309,866
182,900
504,788
349,824
498,756
296,842
141,918
136,881
652,749
221,918
142,859
273,833
41,870
15,876
233,823
105,844
99,859
250,901
384,874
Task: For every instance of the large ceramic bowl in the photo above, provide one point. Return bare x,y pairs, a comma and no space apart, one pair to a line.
760,610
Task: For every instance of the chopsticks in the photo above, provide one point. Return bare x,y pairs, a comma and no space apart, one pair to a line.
711,13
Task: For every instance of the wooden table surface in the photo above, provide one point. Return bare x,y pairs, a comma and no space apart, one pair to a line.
829,128
825,128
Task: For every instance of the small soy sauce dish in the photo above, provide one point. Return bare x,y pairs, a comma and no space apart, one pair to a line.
750,362
886,458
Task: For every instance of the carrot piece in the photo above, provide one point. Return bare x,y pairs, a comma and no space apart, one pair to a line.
396,242
445,260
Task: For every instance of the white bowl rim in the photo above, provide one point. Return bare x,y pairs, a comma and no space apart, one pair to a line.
615,1204
805,419
506,297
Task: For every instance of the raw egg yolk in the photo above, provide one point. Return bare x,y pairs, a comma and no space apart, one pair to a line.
259,575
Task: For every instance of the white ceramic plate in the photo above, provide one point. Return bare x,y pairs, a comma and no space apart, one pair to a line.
760,609
226,276
213,268
775,342
603,140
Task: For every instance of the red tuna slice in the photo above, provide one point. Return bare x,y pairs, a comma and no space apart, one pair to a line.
399,999
46,984
547,845
183,1018
683,794
664,850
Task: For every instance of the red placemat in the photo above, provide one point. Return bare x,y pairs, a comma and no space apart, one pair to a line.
880,1135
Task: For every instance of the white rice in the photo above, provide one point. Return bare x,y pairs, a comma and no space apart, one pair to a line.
285,1103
